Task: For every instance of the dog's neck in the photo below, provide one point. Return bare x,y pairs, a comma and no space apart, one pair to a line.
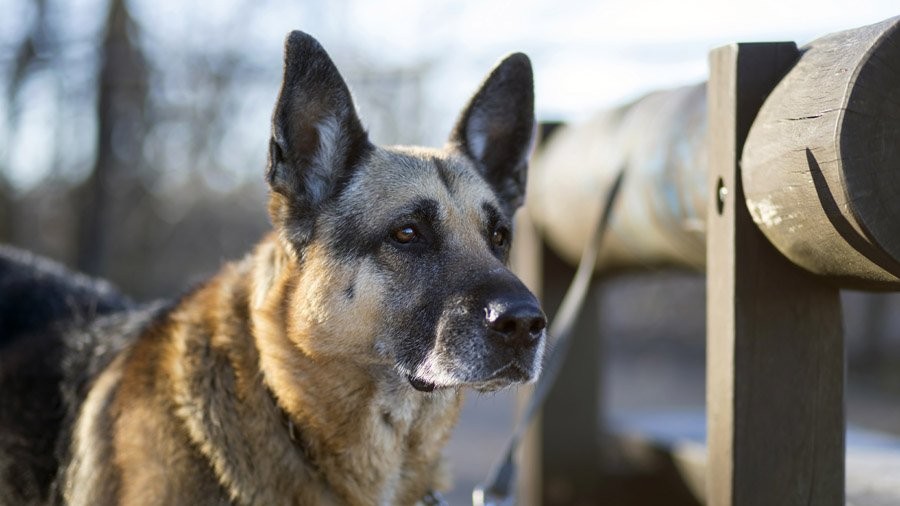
360,421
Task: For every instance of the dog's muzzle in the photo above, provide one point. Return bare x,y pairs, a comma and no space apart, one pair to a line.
490,335
513,330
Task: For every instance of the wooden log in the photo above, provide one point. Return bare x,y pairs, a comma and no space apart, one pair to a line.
822,169
660,140
775,355
821,165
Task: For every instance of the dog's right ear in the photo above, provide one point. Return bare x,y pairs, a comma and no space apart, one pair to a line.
317,137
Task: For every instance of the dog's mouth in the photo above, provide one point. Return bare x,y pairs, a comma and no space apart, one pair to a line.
507,375
420,384
503,377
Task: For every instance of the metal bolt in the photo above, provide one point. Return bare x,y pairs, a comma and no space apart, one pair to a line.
721,193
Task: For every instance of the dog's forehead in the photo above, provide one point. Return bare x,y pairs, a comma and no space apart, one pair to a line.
393,177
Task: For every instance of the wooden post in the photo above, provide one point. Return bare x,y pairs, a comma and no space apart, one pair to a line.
527,261
571,470
560,460
775,355
560,455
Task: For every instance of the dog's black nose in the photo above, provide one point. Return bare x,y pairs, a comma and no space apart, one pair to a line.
518,324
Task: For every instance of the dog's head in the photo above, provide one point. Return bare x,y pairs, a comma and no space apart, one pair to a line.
402,252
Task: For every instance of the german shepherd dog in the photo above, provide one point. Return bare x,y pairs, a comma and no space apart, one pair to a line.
327,366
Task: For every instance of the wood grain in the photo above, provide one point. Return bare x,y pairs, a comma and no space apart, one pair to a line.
775,370
660,140
821,166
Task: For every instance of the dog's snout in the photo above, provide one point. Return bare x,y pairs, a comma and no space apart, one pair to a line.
518,324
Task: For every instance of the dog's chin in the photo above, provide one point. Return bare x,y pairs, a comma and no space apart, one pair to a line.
509,375
506,376
493,385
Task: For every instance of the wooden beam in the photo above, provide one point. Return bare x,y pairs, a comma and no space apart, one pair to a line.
821,166
821,169
775,356
660,140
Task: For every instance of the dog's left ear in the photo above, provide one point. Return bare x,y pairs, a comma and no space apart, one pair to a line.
496,129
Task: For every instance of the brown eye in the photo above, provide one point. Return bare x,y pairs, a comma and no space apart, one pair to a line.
500,237
405,234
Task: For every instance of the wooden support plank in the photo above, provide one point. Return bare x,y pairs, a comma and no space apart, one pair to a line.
526,259
571,417
560,460
775,356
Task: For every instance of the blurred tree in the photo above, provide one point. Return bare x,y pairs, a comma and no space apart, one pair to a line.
30,54
132,144
6,209
122,94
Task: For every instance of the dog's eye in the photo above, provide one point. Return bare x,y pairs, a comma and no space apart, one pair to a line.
500,237
405,234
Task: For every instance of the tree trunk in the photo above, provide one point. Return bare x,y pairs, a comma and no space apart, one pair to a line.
122,92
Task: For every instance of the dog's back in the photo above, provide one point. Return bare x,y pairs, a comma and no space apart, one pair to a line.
44,340
36,293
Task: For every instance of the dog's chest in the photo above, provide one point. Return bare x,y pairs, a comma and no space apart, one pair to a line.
409,430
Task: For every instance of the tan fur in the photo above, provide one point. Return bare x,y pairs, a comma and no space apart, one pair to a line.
327,367
194,422
375,437
89,476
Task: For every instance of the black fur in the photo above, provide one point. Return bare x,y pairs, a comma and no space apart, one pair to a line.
58,330
497,128
317,137
445,175
37,292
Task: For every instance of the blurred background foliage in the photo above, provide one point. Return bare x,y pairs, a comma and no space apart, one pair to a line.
132,141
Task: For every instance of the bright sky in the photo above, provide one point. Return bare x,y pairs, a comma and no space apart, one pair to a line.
587,54
592,54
